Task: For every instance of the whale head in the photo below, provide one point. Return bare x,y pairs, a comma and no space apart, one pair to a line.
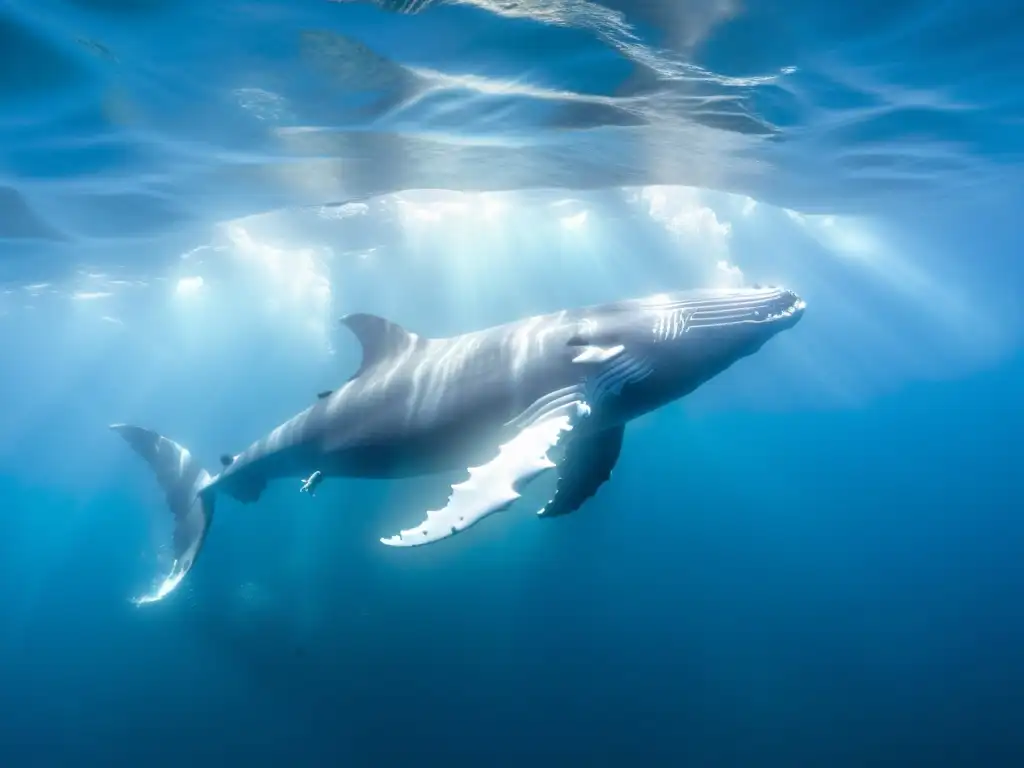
730,323
687,338
696,336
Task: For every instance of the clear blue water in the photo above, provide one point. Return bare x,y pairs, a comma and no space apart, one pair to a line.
814,560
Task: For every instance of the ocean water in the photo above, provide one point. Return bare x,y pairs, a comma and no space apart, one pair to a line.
813,560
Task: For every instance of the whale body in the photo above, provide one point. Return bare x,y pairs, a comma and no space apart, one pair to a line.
496,402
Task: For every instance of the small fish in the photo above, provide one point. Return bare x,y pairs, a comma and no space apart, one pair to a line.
310,483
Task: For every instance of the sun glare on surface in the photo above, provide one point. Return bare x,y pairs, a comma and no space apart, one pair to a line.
189,286
575,222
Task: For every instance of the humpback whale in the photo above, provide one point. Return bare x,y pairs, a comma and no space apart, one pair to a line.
506,404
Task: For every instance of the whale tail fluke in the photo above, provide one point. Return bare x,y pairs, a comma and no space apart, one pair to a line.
185,485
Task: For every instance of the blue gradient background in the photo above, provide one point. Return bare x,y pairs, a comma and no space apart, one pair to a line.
812,561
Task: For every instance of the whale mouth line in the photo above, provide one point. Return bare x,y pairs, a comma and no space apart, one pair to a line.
711,299
775,308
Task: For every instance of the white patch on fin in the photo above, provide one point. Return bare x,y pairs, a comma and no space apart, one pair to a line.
493,486
592,354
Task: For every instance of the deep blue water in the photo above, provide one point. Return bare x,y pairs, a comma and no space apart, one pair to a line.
814,560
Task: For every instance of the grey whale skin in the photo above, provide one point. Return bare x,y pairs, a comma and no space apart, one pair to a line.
495,401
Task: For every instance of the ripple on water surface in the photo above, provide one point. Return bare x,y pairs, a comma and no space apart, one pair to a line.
138,117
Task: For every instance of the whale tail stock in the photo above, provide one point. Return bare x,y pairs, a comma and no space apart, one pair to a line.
185,484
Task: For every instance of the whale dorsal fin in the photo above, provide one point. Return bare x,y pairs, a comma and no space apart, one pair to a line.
380,338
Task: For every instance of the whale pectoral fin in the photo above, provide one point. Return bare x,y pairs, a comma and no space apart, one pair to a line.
588,464
493,486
